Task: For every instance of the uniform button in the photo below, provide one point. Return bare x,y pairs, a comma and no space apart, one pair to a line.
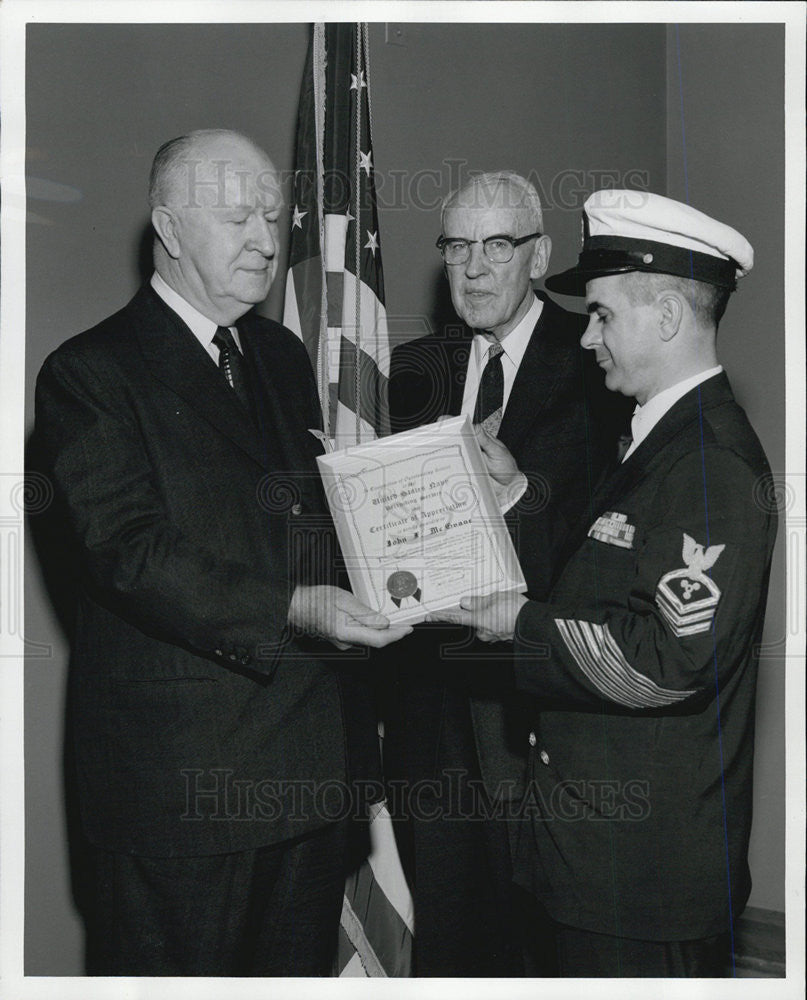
218,652
544,757
296,509
533,739
233,656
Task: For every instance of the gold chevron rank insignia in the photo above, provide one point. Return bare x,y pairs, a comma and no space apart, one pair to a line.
613,529
687,597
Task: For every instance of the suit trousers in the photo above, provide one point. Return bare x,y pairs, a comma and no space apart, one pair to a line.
469,916
585,954
273,911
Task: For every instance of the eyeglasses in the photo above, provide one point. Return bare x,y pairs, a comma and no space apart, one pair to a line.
498,249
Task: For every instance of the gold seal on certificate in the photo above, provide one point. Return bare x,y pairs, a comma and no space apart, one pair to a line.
418,522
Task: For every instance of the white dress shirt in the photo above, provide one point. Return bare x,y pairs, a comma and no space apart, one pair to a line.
646,417
513,347
204,329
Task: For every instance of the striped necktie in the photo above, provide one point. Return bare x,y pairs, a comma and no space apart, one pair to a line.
490,398
232,365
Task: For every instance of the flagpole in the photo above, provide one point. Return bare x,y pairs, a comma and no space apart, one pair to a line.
357,234
318,68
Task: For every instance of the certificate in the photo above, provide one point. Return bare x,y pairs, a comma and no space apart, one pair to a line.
418,522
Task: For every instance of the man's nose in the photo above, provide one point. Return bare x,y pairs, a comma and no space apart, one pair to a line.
590,336
477,262
263,237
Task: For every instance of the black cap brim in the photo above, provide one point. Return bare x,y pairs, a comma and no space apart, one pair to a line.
571,282
606,255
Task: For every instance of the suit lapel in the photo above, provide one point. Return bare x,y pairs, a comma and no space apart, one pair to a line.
269,382
177,359
458,354
528,398
534,387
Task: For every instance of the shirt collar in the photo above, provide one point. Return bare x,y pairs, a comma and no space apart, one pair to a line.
515,343
203,329
646,417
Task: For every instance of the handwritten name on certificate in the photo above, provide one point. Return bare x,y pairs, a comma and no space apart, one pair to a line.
418,521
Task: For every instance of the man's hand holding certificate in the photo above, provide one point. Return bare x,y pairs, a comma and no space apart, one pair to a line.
419,522
493,617
336,615
508,482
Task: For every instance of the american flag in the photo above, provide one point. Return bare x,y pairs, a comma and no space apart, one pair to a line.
335,274
334,242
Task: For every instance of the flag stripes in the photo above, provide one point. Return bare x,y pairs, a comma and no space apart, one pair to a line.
377,922
335,286
373,384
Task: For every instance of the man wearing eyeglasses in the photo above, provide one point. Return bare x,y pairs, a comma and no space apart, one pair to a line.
456,743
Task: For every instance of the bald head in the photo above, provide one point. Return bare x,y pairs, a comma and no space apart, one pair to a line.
215,200
183,168
498,189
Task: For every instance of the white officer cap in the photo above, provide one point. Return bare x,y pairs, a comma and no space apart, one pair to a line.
640,231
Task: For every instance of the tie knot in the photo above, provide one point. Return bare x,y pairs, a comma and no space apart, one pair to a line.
495,350
223,338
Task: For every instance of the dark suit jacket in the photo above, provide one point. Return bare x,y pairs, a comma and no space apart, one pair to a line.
643,757
202,726
561,425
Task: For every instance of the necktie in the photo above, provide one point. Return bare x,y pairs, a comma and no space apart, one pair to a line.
232,365
622,446
490,398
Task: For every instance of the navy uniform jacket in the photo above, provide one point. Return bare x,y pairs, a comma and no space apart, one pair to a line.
562,426
201,725
644,660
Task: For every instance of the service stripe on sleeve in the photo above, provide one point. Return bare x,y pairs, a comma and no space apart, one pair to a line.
602,661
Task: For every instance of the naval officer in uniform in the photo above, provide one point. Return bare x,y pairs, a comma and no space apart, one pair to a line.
642,659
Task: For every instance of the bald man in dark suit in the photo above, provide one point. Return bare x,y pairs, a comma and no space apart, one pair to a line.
208,720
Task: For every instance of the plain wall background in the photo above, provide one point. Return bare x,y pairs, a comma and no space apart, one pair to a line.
575,107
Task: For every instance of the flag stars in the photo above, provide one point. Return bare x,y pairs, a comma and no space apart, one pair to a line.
297,218
372,242
366,161
357,82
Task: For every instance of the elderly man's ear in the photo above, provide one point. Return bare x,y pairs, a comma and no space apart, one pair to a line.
165,226
540,256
